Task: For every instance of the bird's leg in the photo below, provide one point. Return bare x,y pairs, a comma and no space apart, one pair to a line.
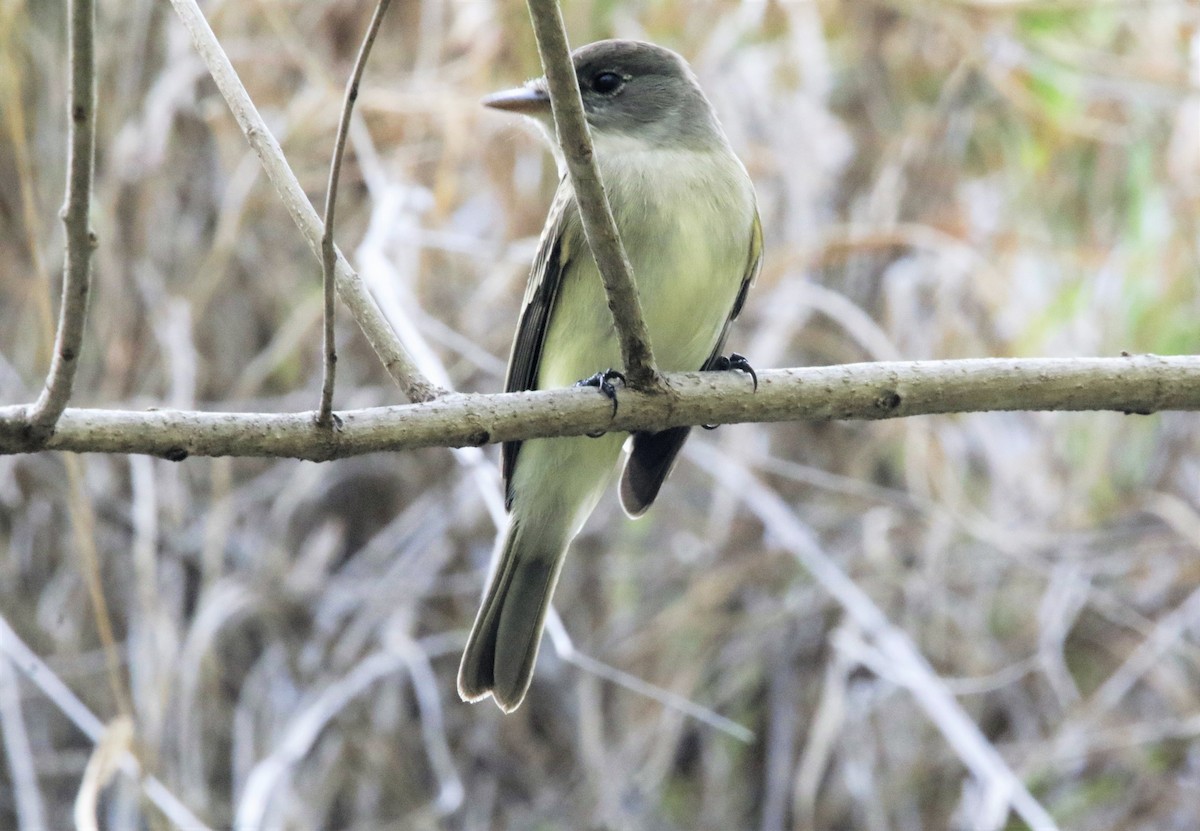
734,362
603,382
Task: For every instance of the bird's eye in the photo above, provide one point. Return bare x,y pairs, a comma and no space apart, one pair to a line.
606,83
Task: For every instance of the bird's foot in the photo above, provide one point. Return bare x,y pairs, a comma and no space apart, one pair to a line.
733,362
603,382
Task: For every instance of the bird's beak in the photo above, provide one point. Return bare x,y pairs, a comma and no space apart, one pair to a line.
531,99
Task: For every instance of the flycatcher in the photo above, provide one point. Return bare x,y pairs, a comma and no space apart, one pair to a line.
686,212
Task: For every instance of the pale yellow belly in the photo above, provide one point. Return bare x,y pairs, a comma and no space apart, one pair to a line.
688,243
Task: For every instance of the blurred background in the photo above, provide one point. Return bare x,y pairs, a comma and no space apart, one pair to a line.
937,179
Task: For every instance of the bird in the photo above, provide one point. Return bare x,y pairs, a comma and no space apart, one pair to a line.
687,213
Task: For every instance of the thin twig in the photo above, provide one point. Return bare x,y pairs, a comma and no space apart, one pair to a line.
328,256
396,359
870,391
594,208
80,240
565,647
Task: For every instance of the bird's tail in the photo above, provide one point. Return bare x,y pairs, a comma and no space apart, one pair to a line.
504,641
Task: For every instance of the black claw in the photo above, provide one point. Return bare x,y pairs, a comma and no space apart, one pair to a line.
735,361
603,382
723,364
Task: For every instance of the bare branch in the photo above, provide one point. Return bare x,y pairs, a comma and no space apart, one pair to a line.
594,209
80,240
396,359
1137,384
328,257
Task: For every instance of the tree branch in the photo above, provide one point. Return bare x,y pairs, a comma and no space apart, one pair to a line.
328,256
80,240
396,359
594,209
1137,384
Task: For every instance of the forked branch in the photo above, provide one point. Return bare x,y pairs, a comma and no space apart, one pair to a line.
396,359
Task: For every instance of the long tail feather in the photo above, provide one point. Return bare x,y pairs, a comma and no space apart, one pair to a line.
503,645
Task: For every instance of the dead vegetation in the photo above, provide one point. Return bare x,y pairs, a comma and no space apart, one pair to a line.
937,180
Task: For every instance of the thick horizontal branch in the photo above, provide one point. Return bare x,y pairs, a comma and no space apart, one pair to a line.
1135,384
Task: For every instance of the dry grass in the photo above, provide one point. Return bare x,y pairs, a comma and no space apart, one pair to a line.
936,179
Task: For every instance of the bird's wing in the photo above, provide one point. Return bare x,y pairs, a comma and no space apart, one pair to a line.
753,266
541,292
653,454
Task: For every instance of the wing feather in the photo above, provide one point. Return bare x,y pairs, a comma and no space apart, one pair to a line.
541,292
753,267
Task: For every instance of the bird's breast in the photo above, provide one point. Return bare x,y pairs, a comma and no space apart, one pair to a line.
685,218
